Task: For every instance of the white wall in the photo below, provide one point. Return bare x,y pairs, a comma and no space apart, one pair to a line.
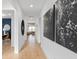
19,16
38,37
50,48
7,5
56,51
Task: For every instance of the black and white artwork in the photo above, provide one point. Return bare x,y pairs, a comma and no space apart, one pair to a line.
60,24
66,23
49,23
22,27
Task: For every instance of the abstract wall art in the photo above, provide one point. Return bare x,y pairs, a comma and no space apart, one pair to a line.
66,23
60,24
49,24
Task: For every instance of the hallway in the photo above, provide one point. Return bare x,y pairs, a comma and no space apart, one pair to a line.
40,29
31,50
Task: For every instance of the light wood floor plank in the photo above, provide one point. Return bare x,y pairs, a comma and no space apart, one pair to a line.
29,51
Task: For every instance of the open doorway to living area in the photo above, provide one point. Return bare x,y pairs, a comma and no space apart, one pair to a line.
31,32
6,34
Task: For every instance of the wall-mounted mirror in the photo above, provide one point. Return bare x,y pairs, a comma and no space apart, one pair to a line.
22,27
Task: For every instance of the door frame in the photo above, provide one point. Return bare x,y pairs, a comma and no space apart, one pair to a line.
10,14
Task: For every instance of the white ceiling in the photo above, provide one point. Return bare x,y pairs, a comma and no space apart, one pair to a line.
36,10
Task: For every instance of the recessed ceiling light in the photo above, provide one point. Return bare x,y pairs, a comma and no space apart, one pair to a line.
31,6
31,17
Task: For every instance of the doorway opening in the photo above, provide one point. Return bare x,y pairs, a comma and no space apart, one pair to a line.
31,32
6,35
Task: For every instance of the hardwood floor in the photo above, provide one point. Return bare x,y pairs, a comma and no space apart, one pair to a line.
6,49
29,51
